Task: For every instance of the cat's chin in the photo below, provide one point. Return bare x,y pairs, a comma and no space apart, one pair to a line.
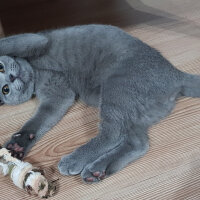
26,72
28,92
25,76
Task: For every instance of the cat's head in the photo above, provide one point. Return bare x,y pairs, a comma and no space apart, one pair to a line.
16,80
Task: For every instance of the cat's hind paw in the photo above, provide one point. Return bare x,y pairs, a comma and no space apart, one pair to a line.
70,165
92,175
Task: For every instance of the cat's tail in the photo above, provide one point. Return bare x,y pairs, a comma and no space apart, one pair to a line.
191,85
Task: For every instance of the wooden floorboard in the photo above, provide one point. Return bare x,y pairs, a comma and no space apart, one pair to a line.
171,169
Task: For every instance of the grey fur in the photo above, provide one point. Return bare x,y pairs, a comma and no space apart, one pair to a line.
133,85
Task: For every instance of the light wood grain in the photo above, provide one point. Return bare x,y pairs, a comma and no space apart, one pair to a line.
171,169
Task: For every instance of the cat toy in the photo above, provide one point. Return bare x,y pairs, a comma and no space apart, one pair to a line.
25,176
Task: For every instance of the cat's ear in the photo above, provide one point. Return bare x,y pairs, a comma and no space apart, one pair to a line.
23,45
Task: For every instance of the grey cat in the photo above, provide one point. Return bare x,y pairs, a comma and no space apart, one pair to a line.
133,85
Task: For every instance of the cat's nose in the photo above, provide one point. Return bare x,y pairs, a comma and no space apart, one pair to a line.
12,78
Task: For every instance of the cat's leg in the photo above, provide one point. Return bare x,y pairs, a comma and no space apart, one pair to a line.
191,85
23,45
108,138
132,148
112,132
48,114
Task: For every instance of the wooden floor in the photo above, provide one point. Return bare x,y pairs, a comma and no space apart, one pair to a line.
171,169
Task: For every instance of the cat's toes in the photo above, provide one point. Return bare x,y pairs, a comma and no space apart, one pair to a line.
94,177
92,173
19,143
70,165
91,176
16,150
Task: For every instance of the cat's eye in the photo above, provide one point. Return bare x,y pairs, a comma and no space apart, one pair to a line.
5,89
1,68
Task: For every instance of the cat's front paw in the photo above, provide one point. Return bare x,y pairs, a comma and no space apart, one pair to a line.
19,143
70,165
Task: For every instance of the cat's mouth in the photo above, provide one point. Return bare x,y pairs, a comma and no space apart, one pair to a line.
18,84
21,81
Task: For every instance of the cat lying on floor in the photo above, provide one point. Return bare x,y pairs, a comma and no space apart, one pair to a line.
133,85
